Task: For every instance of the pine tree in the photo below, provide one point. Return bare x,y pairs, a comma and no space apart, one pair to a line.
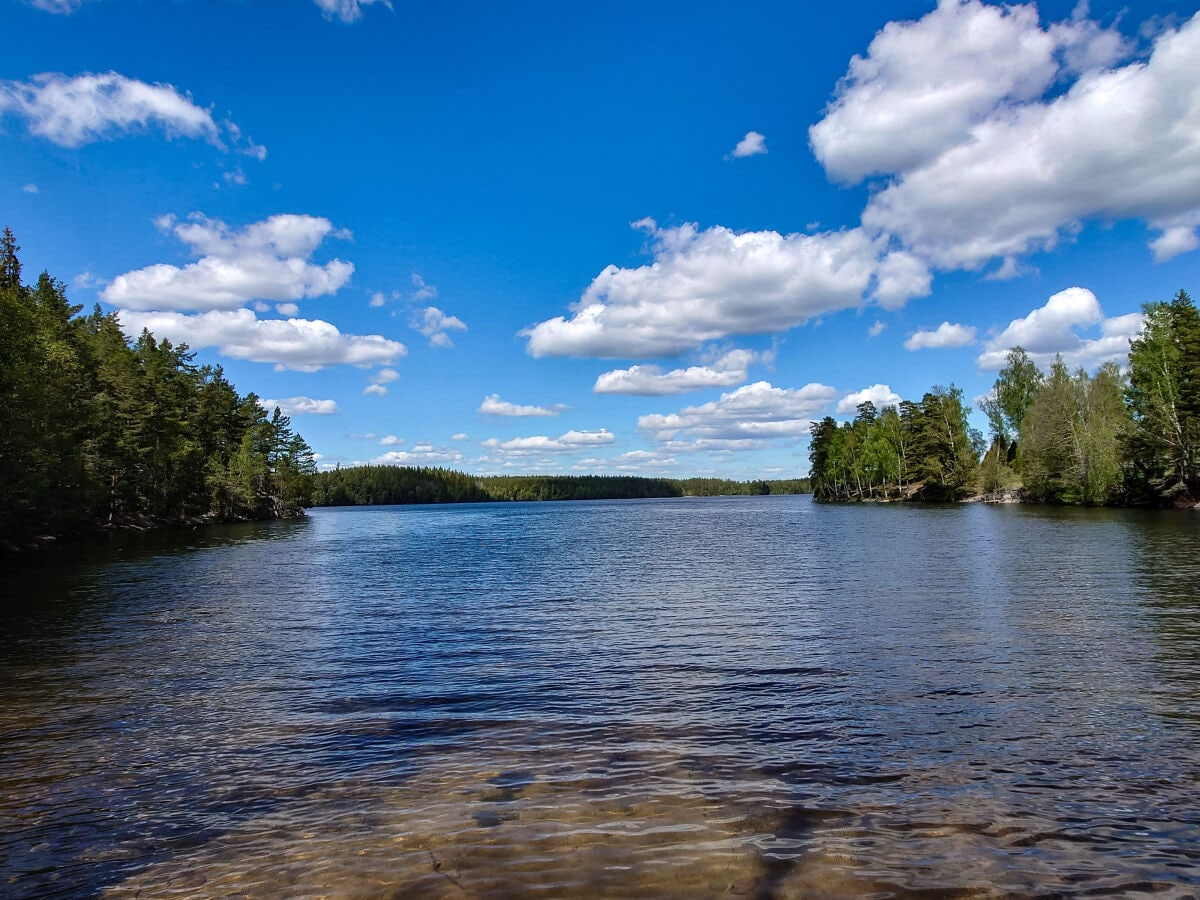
1163,445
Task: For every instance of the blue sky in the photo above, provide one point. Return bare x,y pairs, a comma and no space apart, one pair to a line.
604,238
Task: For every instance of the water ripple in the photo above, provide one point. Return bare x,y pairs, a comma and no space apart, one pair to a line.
746,697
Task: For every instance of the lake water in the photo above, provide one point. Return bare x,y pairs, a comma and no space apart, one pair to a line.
733,697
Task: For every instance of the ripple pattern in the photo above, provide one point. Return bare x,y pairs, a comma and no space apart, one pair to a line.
730,697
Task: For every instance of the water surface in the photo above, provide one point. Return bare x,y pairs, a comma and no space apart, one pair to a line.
755,697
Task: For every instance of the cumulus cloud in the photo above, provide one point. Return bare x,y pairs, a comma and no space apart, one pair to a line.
570,442
422,454
997,136
30,188
304,345
302,406
880,394
753,144
924,84
1072,324
378,380
492,405
390,440
741,419
877,329
709,284
73,111
652,381
346,10
947,334
433,323
422,291
58,7
268,260
1174,240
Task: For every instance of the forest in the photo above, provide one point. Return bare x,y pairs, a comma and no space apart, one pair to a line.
1112,436
368,485
97,432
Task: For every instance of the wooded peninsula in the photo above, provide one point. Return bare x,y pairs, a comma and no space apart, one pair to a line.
1114,436
97,432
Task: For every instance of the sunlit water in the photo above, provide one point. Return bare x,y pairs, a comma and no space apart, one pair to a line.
739,697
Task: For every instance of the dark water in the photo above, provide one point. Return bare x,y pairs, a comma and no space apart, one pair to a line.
742,697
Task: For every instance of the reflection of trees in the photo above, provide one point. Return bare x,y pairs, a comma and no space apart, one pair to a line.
1168,577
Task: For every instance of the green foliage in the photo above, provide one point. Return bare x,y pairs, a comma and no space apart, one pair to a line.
926,449
95,431
1163,443
1070,444
375,485
370,485
1016,387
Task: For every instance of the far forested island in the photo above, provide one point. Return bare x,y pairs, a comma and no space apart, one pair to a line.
374,485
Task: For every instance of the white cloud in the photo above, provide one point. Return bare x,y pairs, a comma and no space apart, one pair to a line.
58,7
492,405
1174,240
743,418
346,10
1007,270
998,136
924,84
460,436
945,335
385,376
268,260
566,443
390,441
73,111
287,309
422,291
642,462
424,454
378,299
900,276
880,394
302,406
753,144
651,381
304,345
1061,327
30,188
710,284
433,323
375,390
877,329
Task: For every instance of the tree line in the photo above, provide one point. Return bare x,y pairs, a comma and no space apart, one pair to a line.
1112,436
95,430
369,485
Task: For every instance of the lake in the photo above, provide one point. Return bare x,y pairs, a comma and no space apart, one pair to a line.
727,697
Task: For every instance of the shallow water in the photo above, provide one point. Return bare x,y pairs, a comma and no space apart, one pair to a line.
732,697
